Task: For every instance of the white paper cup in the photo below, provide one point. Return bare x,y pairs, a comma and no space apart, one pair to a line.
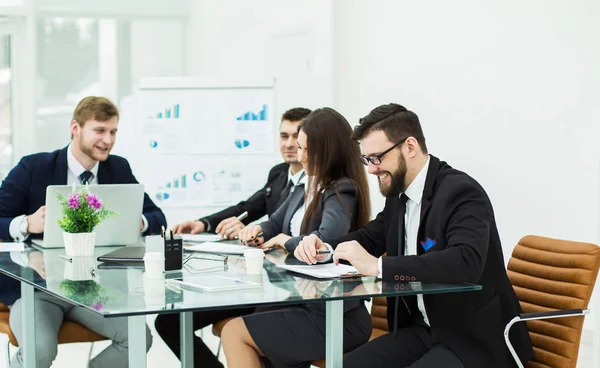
254,261
155,243
154,262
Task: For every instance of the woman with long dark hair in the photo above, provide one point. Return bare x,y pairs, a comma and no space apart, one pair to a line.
332,199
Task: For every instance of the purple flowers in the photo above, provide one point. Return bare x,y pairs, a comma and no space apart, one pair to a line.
74,201
97,306
93,201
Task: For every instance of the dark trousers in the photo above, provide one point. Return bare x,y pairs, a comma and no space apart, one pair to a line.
413,347
167,326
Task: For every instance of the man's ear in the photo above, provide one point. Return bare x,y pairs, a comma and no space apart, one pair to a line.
75,128
412,145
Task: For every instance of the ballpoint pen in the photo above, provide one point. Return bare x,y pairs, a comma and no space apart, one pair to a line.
242,216
323,252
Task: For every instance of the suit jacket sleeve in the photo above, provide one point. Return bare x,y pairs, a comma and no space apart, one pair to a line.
467,239
13,196
256,206
274,225
372,237
338,207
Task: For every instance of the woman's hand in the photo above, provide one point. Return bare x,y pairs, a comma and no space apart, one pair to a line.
278,241
251,235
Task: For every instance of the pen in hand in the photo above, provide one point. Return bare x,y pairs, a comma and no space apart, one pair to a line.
250,241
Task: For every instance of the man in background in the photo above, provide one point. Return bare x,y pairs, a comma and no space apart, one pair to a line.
264,202
86,159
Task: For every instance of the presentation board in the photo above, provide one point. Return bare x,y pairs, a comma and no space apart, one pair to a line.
204,143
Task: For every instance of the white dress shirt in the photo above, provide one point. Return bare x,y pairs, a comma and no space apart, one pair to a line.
412,217
74,170
296,221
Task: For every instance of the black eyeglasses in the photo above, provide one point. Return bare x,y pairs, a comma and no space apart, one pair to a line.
376,159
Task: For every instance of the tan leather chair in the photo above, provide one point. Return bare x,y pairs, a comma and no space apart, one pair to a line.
553,279
69,331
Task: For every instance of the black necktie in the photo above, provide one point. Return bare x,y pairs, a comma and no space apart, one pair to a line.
401,250
401,224
85,177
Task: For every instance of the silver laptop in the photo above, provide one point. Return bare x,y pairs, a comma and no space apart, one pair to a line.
125,199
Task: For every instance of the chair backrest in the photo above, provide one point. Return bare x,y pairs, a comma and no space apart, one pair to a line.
379,317
552,274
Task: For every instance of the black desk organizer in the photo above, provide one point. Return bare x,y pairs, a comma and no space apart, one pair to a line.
173,253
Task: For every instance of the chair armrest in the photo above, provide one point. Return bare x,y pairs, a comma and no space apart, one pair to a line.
533,316
554,314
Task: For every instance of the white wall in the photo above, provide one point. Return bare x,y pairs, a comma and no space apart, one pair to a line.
506,91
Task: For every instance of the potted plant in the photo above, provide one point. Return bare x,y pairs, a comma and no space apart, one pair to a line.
82,212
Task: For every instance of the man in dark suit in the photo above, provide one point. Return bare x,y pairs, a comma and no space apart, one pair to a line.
264,202
267,199
437,227
86,159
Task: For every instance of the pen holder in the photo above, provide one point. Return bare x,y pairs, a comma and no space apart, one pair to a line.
173,254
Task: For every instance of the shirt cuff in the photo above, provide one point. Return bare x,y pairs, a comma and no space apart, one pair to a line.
14,229
330,249
380,265
145,222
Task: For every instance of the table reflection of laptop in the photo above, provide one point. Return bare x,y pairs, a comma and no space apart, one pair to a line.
123,229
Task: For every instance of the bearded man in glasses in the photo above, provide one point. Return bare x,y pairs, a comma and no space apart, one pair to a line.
437,226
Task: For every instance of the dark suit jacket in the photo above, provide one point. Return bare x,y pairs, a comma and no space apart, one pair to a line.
332,219
457,217
263,202
24,190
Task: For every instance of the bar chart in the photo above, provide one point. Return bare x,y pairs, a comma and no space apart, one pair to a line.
180,182
251,116
168,113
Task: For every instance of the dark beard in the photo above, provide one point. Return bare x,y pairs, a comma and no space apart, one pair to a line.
397,180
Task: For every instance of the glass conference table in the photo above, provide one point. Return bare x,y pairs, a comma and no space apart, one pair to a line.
125,292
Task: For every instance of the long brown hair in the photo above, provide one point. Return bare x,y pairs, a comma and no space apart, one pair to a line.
333,155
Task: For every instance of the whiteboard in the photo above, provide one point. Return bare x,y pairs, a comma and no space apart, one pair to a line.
204,142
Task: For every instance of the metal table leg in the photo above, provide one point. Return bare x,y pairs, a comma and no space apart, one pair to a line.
334,335
136,326
28,343
187,339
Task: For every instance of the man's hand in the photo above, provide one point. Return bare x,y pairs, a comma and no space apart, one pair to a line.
307,250
229,228
35,221
278,241
189,227
249,235
358,257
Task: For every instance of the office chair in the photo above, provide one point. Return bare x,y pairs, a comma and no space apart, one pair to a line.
69,332
553,280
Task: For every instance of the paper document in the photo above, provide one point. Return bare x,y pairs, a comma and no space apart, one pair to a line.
10,247
323,271
222,248
200,238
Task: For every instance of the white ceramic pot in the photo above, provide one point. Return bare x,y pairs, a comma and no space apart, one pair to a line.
79,244
80,269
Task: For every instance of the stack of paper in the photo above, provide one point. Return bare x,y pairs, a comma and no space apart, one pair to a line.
222,248
323,271
201,238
